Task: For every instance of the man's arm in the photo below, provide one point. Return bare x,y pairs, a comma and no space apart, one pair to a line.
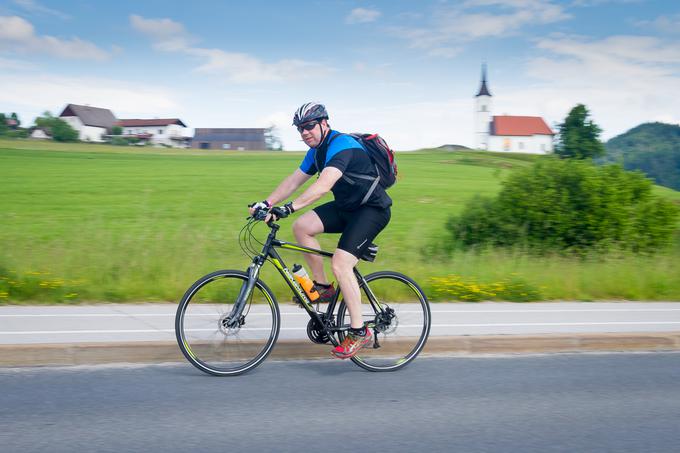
327,179
288,186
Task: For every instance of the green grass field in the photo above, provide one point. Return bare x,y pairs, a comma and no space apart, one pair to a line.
100,223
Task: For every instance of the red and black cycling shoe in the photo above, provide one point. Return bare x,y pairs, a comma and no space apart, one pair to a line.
352,344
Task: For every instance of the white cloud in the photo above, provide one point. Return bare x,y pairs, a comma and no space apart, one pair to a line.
665,24
35,7
362,16
37,93
158,28
170,36
17,34
476,19
624,80
7,64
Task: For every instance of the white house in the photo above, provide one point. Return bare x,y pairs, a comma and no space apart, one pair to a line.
158,131
92,123
39,133
521,134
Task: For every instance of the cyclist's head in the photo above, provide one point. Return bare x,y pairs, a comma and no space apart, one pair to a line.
311,111
311,120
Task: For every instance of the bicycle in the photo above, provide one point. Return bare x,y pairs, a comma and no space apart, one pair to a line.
228,321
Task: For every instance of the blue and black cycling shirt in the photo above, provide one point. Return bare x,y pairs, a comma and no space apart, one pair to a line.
347,155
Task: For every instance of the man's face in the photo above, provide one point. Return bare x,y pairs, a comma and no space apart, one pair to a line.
312,132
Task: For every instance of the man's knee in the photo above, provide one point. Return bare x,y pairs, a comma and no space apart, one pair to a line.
308,224
343,262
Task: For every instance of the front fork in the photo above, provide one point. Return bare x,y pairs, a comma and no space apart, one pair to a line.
233,320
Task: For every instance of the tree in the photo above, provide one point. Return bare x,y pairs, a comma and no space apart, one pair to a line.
3,124
60,129
272,139
569,205
15,117
62,132
579,136
116,130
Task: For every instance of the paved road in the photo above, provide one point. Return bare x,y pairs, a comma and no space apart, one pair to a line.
155,322
557,403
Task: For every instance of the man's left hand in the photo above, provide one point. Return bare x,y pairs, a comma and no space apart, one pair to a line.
281,212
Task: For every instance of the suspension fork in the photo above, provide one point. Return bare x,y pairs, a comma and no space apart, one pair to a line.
234,317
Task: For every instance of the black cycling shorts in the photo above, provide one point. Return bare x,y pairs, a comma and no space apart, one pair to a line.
359,228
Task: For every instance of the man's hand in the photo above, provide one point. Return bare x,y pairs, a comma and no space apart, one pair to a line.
281,212
262,205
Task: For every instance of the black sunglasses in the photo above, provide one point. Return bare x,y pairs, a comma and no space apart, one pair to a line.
307,126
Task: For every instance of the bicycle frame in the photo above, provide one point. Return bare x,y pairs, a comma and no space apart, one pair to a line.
269,252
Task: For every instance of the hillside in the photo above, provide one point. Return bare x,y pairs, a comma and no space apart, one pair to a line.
653,148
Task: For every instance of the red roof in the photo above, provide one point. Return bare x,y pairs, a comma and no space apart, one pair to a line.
153,122
519,125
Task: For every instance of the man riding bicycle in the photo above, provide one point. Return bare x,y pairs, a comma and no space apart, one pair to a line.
360,210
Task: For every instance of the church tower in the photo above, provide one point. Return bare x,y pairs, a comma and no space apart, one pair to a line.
482,114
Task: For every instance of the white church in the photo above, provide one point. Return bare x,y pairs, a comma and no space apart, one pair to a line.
516,134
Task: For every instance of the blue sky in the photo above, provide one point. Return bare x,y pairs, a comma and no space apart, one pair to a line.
408,70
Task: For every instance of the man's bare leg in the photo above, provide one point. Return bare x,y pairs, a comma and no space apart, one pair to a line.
305,228
343,267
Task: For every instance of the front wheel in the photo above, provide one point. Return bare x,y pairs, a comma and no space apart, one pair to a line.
208,337
398,314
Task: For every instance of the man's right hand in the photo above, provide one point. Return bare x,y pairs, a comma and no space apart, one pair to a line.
261,205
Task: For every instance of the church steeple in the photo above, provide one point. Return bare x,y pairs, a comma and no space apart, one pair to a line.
483,89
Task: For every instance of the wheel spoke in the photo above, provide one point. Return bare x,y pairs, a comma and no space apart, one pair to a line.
203,331
402,334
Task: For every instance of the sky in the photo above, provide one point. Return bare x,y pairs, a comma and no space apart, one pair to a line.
406,69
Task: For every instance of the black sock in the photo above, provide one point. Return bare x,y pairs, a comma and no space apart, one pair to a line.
361,331
323,285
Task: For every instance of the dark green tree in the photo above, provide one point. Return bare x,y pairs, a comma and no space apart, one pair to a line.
60,129
116,130
15,117
3,124
579,136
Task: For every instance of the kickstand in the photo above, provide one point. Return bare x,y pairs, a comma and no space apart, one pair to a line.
376,345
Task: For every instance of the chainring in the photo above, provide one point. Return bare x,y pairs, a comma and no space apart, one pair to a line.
316,332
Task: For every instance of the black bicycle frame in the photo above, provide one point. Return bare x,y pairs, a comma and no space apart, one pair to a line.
269,252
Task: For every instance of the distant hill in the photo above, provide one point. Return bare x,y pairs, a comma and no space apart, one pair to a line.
653,148
453,147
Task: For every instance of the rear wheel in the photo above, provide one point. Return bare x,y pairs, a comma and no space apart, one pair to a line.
208,338
399,317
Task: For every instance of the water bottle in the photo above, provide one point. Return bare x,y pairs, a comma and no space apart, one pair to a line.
307,284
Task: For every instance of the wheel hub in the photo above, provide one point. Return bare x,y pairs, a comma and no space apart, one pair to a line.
386,321
228,326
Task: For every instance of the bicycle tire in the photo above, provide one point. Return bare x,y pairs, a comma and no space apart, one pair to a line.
404,337
203,337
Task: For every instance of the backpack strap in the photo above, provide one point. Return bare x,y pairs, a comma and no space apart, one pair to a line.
346,176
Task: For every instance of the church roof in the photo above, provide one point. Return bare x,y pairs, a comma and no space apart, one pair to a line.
483,89
519,125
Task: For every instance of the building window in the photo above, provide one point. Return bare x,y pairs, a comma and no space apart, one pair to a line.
506,144
521,145
483,108
160,131
204,145
226,146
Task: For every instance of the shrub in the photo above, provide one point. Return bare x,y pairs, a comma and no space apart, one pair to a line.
568,205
